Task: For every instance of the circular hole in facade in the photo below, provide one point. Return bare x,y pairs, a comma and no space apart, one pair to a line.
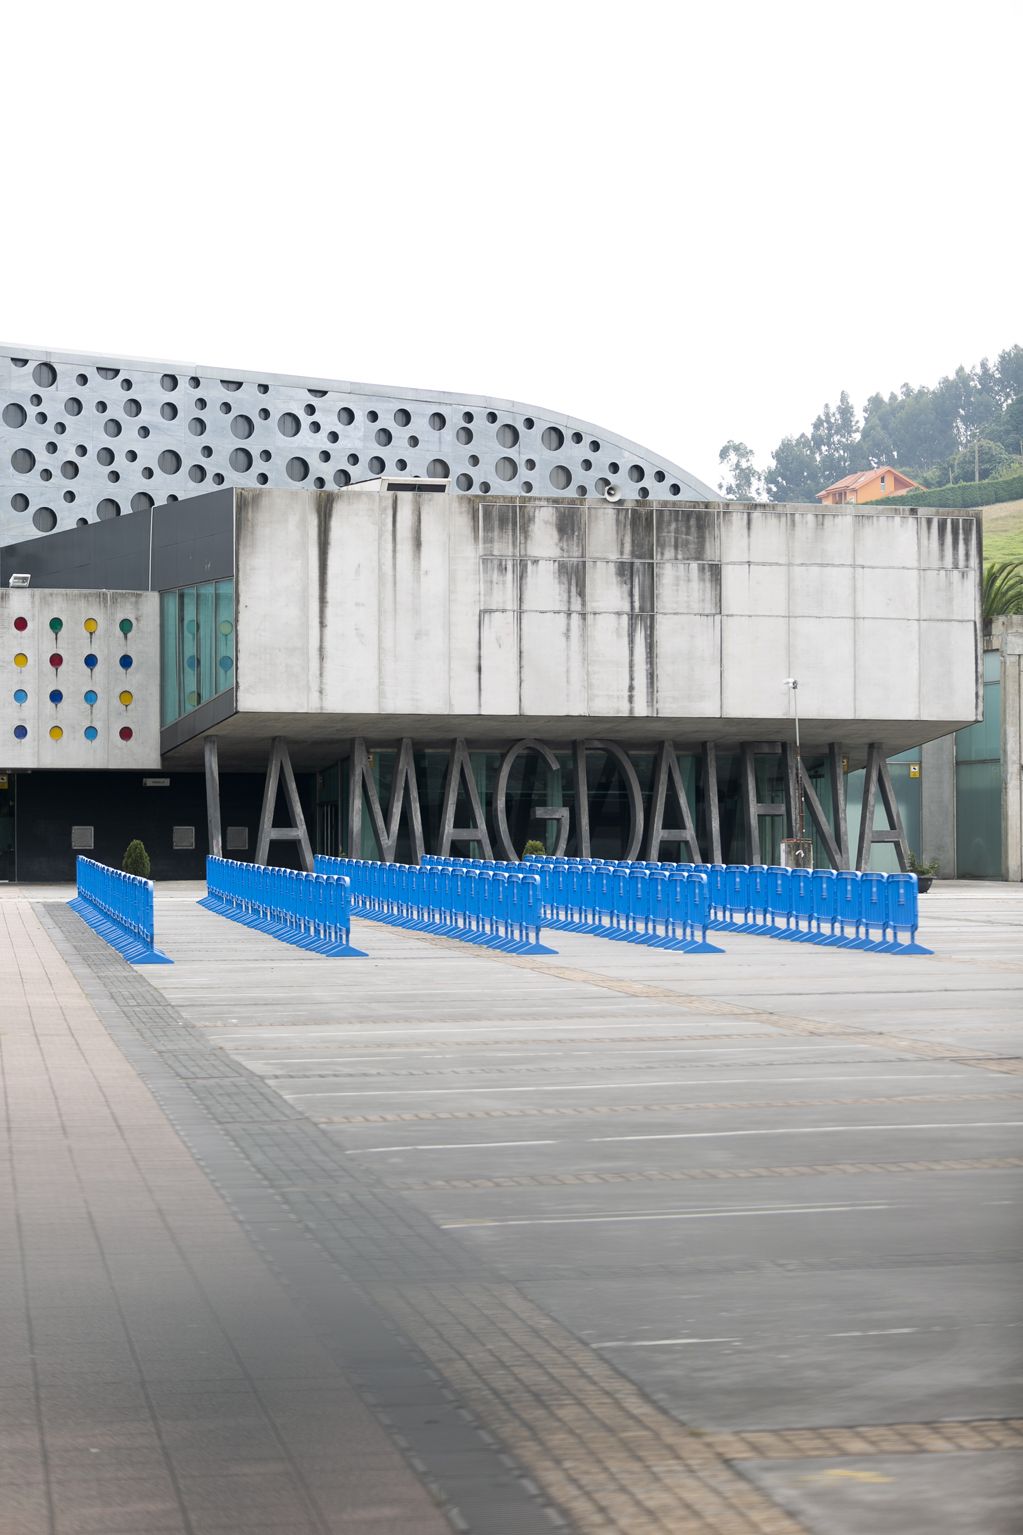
101,406
585,463
346,416
552,438
659,476
507,435
132,408
113,477
402,417
19,502
218,479
60,427
318,483
196,473
264,414
23,461
141,502
527,486
105,456
382,436
463,435
108,509
69,469
225,407
168,410
401,465
44,520
147,474
580,490
342,477
413,442
528,423
636,473
310,410
81,379
594,446
81,450
265,455
297,469
230,383
263,388
353,459
242,426
197,426
474,461
464,482
169,381
561,478
193,382
644,491
376,466
40,418
676,490
262,479
333,437
169,461
614,468
289,425
437,469
530,464
45,374
73,405
506,468
241,460
108,372
601,486
126,384
112,428
467,415
46,474
372,415
323,456
200,403
484,488
314,426
577,437
491,417
438,422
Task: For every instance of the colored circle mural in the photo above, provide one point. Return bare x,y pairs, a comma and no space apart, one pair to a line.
125,698
92,661
20,696
56,660
125,663
20,732
90,732
126,732
55,732
21,660
91,696
56,624
90,626
56,696
126,626
21,624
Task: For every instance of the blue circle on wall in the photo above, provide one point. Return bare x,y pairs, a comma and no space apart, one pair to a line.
91,732
56,696
91,697
20,732
126,663
91,661
226,663
20,696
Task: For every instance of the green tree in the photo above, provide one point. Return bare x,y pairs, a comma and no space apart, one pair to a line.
1002,591
742,480
136,859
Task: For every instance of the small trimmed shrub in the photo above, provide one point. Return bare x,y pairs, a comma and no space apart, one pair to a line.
533,846
136,859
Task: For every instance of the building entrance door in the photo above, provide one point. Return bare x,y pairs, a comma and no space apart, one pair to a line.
7,782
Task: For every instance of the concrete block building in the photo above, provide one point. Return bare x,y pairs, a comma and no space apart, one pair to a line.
498,624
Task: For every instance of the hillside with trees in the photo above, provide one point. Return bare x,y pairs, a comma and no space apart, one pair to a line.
967,426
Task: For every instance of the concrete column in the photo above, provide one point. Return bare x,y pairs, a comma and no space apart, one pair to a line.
938,804
1012,756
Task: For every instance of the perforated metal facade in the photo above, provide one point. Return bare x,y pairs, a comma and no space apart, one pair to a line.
94,437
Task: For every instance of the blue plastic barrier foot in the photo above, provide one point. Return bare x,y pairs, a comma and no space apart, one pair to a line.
127,944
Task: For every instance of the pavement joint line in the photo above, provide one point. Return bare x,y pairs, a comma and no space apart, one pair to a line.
698,1174
577,1087
618,1437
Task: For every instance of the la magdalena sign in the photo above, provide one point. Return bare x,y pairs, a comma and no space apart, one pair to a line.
649,834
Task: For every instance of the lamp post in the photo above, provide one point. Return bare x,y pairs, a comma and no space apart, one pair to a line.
792,683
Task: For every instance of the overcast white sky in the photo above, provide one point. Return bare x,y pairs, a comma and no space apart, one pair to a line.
683,222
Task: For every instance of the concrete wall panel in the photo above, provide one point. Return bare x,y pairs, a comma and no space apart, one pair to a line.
882,592
688,670
888,669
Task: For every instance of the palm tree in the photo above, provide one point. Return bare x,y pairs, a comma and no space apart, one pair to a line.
1002,591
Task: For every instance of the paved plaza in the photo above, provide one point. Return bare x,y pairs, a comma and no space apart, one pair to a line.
614,1240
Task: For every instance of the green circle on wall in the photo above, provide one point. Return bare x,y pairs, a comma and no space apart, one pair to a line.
126,626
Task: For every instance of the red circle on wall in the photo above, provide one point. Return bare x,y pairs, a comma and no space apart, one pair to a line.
125,732
21,624
56,660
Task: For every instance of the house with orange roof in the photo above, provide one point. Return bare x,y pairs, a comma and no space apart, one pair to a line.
867,485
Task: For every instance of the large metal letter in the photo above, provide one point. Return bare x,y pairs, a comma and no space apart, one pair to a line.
459,765
710,800
878,777
361,780
582,802
544,813
268,832
635,794
835,838
668,772
212,766
755,808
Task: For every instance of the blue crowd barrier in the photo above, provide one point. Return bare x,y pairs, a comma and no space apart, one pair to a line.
497,906
311,911
119,907
663,906
875,913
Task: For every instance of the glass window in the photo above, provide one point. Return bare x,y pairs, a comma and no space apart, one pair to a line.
197,632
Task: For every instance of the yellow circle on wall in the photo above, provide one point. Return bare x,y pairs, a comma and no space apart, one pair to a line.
21,659
55,732
126,698
90,626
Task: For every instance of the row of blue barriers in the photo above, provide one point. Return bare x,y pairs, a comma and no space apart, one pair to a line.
311,911
664,906
844,909
119,907
494,905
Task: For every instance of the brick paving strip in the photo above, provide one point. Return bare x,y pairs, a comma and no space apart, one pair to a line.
603,1455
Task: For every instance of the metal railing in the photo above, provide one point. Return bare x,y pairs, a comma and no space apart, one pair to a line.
119,907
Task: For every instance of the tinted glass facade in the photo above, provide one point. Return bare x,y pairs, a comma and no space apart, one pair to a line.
197,639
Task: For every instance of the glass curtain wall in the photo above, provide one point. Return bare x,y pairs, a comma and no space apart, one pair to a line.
196,646
979,784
